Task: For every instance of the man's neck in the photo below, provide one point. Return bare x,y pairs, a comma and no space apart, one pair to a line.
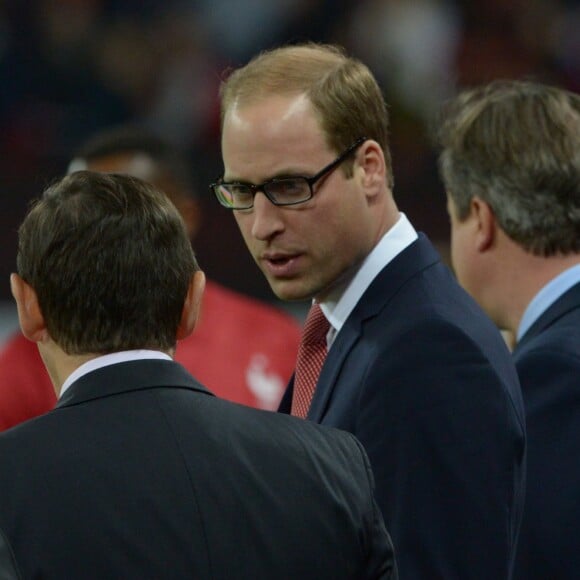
526,279
59,364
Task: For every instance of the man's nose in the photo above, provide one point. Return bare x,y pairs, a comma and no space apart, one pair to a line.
267,218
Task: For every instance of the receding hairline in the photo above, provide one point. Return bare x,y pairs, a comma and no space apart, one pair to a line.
280,71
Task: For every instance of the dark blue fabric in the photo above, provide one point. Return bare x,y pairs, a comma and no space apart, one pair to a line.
140,473
548,362
424,380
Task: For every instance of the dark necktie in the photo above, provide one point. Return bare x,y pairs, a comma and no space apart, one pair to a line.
311,355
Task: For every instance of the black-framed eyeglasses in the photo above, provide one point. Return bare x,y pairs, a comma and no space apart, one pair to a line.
280,190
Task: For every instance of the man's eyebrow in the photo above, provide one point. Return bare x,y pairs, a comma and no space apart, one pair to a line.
282,174
226,179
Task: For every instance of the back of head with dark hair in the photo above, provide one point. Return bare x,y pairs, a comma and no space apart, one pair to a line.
110,261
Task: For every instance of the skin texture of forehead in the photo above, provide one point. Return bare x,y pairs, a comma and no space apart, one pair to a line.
272,129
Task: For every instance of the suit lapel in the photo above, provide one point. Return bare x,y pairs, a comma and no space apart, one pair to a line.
128,376
343,344
411,261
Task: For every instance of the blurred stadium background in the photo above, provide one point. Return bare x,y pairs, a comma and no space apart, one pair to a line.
71,67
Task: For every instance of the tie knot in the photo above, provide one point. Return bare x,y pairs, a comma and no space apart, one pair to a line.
316,326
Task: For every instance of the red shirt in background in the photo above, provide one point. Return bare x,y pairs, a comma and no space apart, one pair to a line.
241,349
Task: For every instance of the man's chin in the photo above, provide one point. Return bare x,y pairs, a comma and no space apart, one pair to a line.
290,291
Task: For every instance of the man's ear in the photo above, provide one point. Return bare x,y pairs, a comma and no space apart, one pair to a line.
191,306
372,160
30,316
486,224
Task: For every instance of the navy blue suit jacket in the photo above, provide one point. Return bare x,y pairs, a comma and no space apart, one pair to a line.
140,473
424,380
548,362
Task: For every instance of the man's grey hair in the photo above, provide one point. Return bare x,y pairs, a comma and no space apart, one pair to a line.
516,145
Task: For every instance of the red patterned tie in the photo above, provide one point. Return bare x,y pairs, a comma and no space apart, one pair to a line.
311,356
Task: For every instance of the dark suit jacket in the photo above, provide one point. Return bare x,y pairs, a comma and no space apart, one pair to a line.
423,378
548,361
140,473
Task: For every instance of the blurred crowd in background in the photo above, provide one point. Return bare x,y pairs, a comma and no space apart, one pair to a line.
71,67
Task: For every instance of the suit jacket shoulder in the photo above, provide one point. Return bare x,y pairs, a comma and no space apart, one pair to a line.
548,363
420,375
140,463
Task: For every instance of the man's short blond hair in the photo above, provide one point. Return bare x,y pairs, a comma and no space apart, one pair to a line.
343,91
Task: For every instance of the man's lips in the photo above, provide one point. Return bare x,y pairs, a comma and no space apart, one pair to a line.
281,265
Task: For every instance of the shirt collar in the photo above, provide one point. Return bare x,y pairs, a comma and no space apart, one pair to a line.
547,296
111,359
341,302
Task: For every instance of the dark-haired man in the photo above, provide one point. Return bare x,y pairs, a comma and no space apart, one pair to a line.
261,341
139,472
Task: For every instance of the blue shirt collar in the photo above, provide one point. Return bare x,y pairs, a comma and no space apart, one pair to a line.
547,296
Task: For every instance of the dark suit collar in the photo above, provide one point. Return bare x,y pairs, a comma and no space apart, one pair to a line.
569,301
416,257
413,259
128,376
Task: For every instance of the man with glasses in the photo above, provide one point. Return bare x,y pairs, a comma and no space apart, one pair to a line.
410,364
140,473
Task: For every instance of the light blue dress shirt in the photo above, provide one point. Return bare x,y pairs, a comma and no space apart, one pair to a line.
547,296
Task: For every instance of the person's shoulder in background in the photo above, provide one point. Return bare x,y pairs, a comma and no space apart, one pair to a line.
242,349
245,309
26,390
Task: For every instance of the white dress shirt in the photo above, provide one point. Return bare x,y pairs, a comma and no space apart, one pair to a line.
342,300
111,359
